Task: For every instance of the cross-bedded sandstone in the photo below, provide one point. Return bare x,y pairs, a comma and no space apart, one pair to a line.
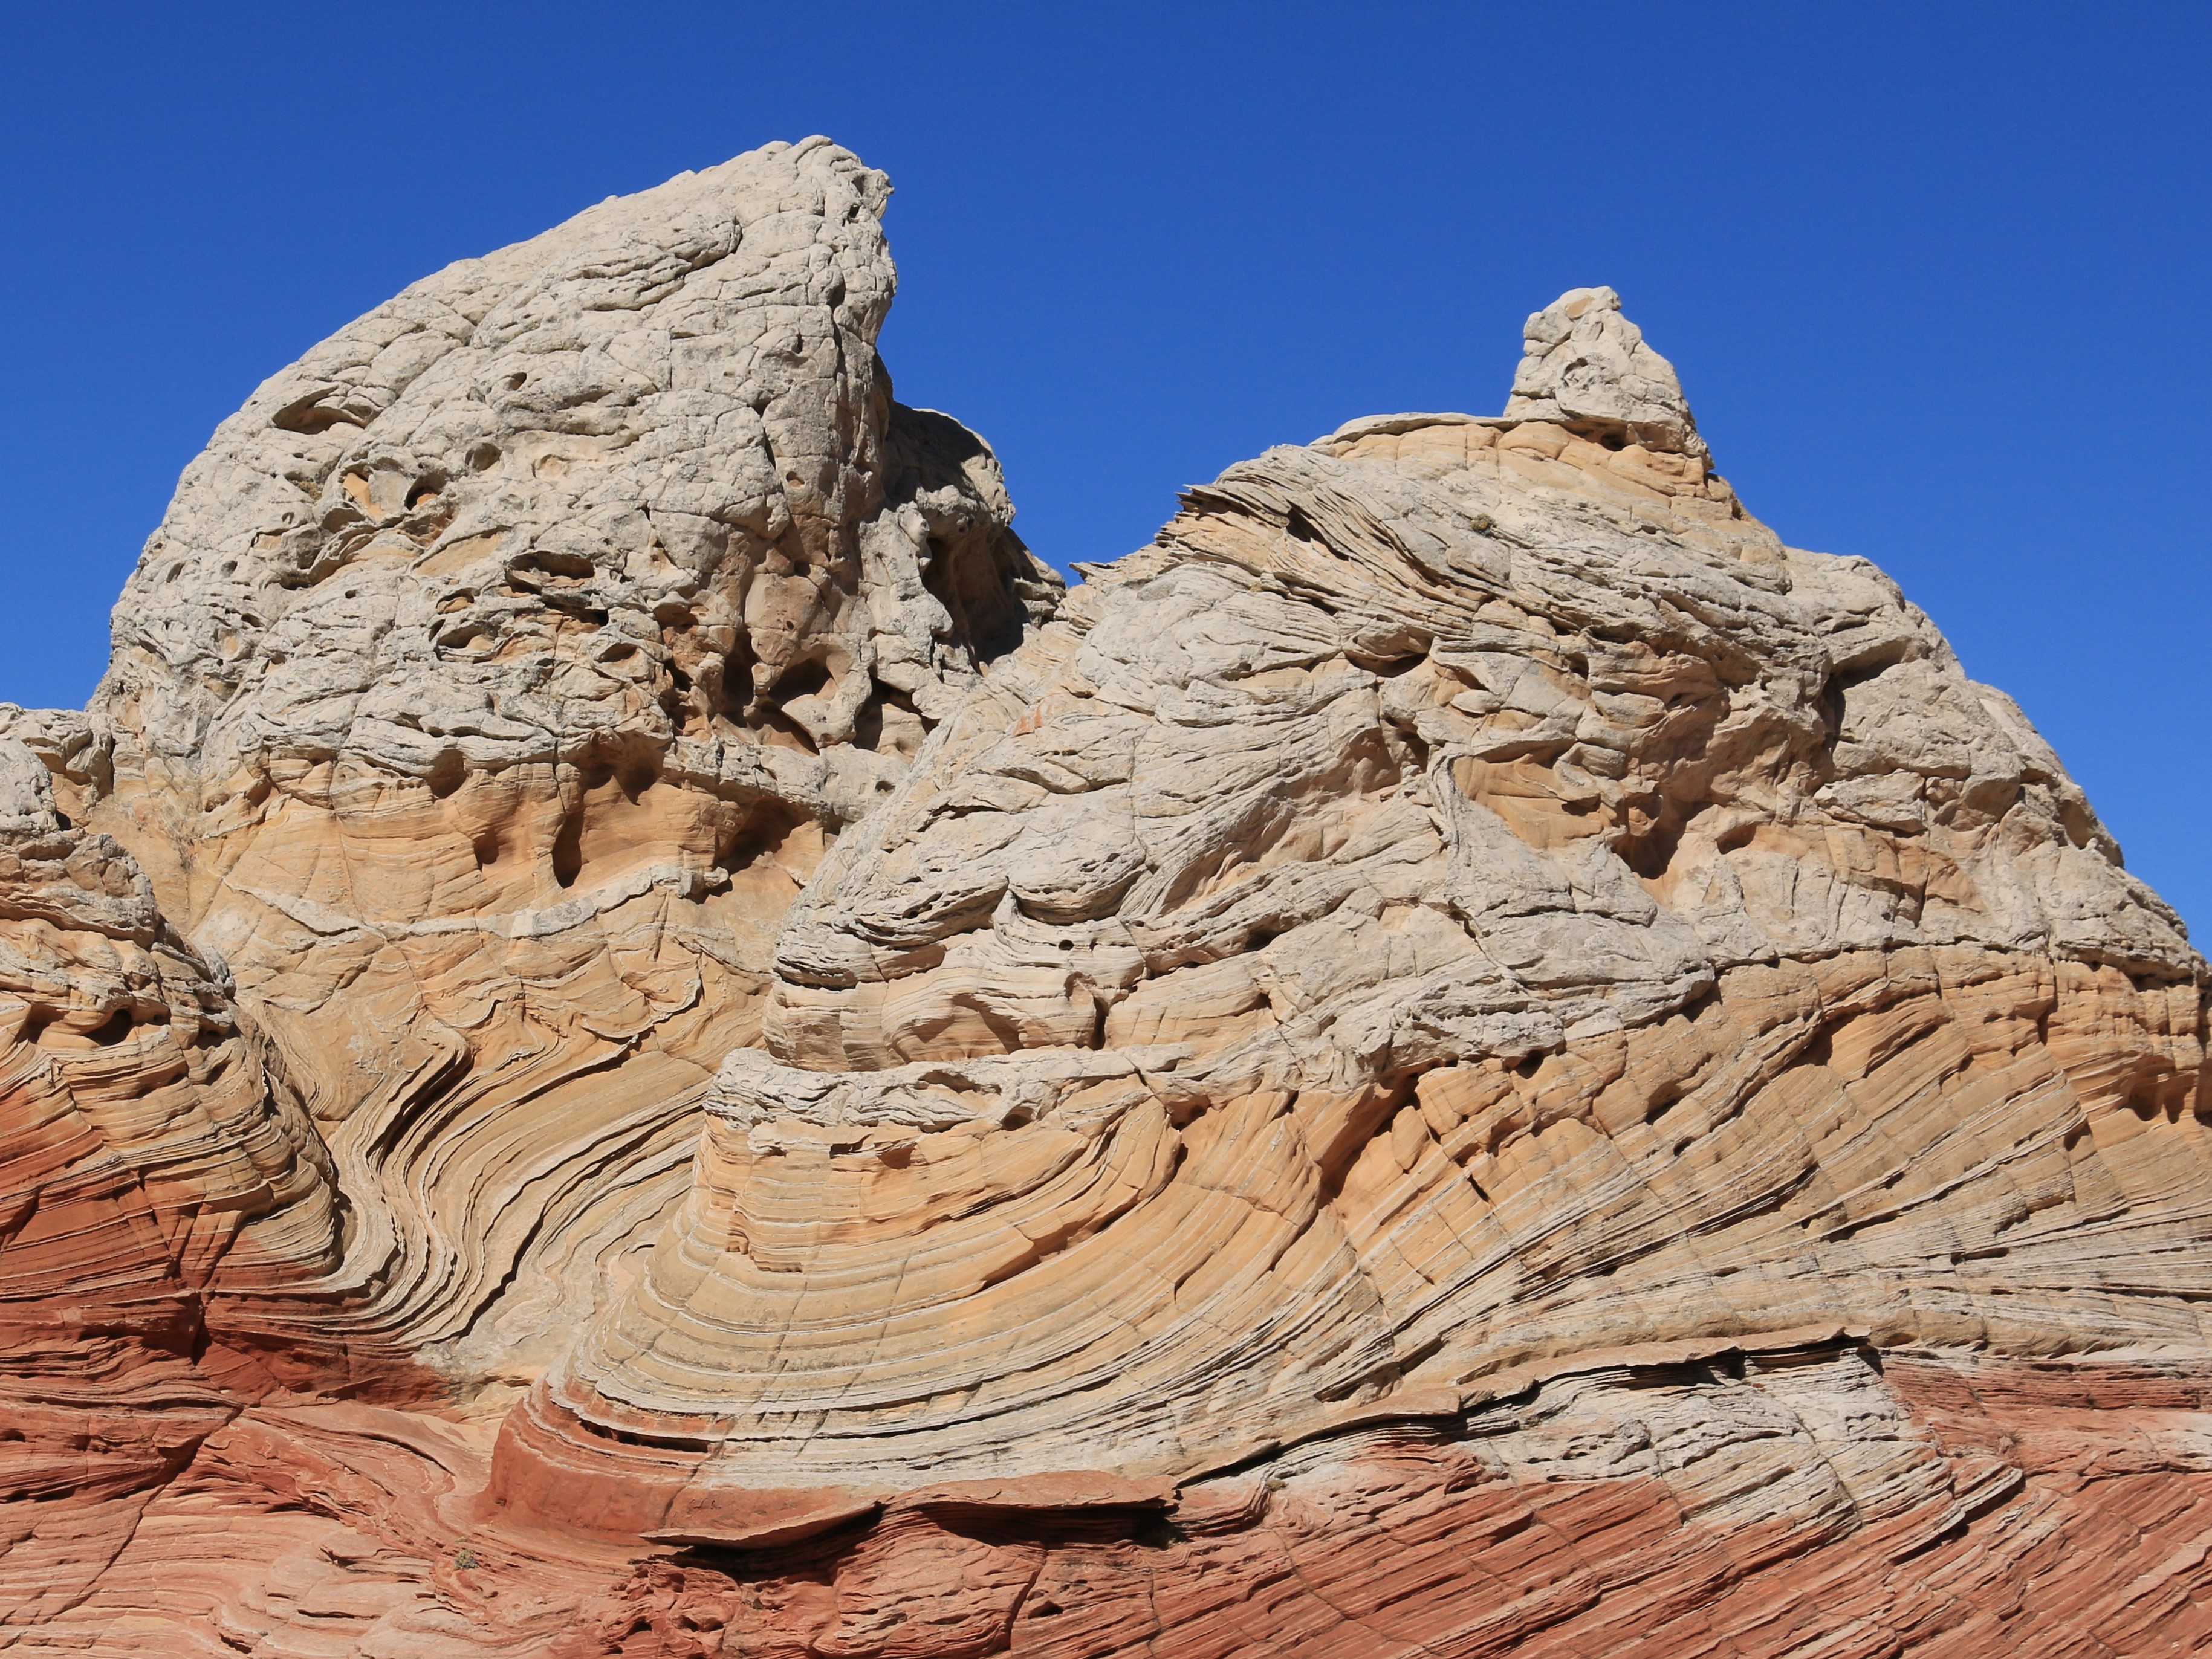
1468,1053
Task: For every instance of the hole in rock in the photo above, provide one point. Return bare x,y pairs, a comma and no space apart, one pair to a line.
1740,836
761,832
424,490
569,848
113,1030
966,579
1416,747
572,566
892,711
311,417
802,678
46,1027
1389,667
1650,855
1155,1532
447,773
484,458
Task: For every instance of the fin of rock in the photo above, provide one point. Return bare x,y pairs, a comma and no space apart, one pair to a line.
493,681
1468,1052
498,674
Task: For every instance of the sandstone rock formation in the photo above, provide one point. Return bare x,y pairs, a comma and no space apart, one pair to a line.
1468,1053
496,677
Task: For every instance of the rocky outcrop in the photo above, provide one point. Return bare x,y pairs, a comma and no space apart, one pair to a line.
497,676
155,1183
1467,1054
492,684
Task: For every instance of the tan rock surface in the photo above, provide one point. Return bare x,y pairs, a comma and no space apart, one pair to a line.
1467,894
1468,1053
493,682
498,675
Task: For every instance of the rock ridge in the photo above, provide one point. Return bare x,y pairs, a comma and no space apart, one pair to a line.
632,1035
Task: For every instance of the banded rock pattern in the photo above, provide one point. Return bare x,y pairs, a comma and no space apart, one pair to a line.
492,684
498,675
1467,1055
1466,895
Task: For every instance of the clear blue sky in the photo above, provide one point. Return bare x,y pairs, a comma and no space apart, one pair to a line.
1933,275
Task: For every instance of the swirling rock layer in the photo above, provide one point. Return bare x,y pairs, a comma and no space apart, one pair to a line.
1449,903
1468,1053
498,674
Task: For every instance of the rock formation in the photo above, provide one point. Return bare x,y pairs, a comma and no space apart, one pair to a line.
1468,1053
498,675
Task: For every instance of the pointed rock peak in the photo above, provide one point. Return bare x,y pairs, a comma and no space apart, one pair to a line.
1586,366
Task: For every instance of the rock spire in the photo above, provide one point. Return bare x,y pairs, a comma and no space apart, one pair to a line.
1586,367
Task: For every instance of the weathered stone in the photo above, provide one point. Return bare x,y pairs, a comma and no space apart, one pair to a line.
498,675
1588,369
1468,1054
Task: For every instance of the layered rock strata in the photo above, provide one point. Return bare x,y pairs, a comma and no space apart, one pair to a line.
1466,895
1468,1053
152,1180
493,682
498,674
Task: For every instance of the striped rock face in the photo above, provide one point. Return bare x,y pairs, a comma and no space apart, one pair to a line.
496,678
1468,1053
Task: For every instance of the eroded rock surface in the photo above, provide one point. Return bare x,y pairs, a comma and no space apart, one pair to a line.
1468,1053
497,676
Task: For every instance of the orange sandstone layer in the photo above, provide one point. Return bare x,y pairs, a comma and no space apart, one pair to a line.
1629,1504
